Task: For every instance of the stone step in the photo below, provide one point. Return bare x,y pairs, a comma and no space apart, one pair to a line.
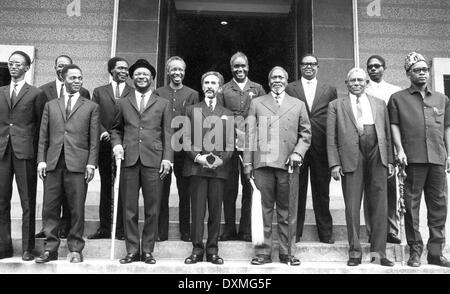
105,266
309,230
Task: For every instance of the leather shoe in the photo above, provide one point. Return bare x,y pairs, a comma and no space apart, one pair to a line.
27,256
291,260
193,258
327,241
62,234
438,260
75,257
261,259
39,235
147,257
228,237
214,259
185,237
47,256
130,257
100,234
414,260
382,261
352,261
391,238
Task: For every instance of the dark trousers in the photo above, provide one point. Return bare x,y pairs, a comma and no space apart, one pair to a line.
320,188
393,217
278,188
206,191
26,179
107,167
230,195
58,184
131,180
184,206
432,180
369,177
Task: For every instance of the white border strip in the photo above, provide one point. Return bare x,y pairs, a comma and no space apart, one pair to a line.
355,32
114,30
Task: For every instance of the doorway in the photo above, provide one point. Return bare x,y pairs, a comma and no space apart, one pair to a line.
207,40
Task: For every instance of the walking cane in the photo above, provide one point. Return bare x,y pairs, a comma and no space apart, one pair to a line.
116,200
291,179
401,209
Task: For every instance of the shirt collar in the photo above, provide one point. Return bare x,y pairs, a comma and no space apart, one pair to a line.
19,84
139,94
74,97
413,90
305,81
353,97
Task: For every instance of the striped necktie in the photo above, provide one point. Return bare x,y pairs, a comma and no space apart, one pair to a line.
69,106
14,94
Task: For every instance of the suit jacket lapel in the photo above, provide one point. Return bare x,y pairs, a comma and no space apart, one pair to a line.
77,105
348,108
110,92
319,90
126,91
53,91
286,106
133,101
150,102
62,107
22,93
7,95
372,107
269,103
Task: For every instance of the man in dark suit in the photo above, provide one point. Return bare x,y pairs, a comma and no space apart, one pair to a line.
236,96
279,135
106,97
360,153
316,95
142,132
68,151
21,107
54,90
208,145
181,96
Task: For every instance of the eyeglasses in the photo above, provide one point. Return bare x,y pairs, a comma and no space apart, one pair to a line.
15,64
376,66
419,70
311,64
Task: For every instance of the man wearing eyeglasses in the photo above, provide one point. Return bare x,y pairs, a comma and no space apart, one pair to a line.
316,95
379,88
21,107
420,123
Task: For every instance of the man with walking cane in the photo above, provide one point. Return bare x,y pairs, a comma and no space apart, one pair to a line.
279,134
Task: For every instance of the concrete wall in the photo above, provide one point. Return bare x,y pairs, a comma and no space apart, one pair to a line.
46,25
404,26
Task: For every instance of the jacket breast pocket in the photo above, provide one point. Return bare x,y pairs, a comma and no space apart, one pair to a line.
438,115
158,146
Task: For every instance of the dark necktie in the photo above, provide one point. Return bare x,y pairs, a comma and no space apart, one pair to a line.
277,99
117,91
14,94
142,104
61,91
210,106
359,113
69,106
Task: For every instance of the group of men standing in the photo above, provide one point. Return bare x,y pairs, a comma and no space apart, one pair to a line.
278,140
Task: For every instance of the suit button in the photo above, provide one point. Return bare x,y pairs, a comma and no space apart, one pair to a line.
141,128
140,141
11,125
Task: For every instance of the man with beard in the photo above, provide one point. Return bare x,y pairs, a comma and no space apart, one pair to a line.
279,136
141,137
316,95
420,122
379,88
68,152
360,154
180,96
21,107
54,90
208,145
106,97
236,96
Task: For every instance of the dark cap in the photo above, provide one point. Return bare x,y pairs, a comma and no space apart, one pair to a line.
142,63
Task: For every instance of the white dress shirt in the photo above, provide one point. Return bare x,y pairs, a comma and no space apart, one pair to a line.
121,87
381,90
367,117
72,101
138,98
241,85
280,99
18,87
309,86
214,102
58,88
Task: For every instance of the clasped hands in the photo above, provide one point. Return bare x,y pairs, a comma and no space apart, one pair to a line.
203,161
293,161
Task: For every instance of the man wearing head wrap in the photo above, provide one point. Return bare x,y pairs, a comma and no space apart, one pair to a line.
141,137
420,122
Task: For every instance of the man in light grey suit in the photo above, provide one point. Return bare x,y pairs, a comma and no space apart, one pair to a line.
279,134
359,152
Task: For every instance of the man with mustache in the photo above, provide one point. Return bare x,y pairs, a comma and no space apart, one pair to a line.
208,150
68,152
141,136
21,107
236,96
379,88
420,122
360,154
279,134
54,90
180,96
107,97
